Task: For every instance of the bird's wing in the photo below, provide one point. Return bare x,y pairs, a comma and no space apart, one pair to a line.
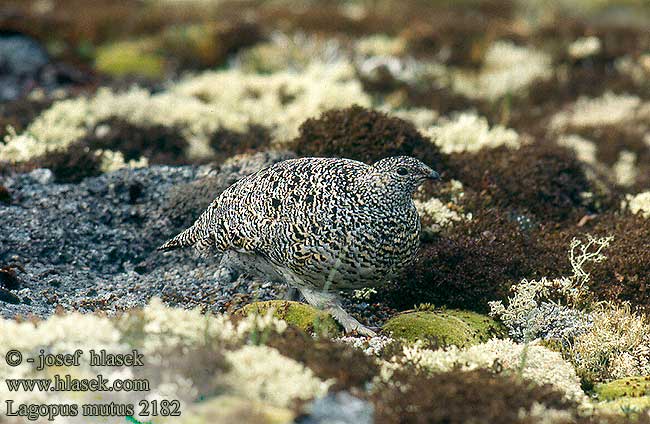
272,209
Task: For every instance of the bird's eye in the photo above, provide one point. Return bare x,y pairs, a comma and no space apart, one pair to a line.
402,171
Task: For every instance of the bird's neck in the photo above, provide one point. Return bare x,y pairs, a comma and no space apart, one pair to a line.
379,187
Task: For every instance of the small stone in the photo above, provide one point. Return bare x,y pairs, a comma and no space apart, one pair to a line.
338,408
42,176
54,282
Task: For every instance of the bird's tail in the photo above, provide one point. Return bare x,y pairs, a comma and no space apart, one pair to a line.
198,235
188,237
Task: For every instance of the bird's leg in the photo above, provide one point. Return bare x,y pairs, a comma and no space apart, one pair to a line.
348,322
327,301
291,294
331,303
226,275
228,269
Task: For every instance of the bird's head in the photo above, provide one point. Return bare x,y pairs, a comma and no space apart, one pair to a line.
404,173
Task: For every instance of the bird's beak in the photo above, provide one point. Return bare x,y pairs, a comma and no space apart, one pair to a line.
433,176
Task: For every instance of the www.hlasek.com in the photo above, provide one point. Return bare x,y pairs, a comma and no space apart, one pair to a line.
68,383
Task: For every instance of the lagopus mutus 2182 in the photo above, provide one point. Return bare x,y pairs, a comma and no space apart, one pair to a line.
321,225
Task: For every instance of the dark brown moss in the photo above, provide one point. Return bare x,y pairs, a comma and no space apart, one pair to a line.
19,113
543,180
71,165
441,99
325,18
613,140
617,39
219,41
332,19
327,359
457,36
625,275
5,195
9,278
364,135
158,143
424,94
229,143
478,261
478,396
77,28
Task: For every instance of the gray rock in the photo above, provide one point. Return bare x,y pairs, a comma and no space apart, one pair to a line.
21,56
21,61
338,408
42,176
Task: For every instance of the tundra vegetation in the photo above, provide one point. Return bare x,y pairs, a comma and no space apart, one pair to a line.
120,121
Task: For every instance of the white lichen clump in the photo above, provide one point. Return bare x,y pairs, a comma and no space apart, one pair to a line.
289,52
111,161
198,106
617,345
262,373
380,45
625,169
530,315
469,132
532,361
168,339
609,109
638,204
373,346
584,149
585,47
67,121
637,68
507,69
422,118
606,341
280,101
437,213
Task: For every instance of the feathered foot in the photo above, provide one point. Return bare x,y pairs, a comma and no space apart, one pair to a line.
331,303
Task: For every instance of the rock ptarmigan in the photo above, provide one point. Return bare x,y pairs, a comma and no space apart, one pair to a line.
320,225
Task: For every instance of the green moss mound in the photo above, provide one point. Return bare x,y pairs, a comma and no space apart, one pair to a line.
448,327
130,58
303,316
628,395
625,387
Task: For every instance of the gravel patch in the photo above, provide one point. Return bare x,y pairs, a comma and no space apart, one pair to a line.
92,246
